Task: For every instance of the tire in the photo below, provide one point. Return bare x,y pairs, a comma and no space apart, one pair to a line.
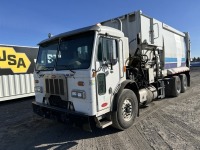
183,83
176,86
127,109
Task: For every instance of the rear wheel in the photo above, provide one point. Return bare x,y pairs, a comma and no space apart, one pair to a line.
176,87
127,110
183,83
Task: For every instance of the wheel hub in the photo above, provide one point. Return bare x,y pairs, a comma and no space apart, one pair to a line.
127,110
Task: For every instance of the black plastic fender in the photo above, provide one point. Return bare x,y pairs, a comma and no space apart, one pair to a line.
127,84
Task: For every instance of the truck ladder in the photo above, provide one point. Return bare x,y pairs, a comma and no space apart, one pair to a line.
159,76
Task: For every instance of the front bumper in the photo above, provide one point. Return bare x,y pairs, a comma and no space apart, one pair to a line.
62,115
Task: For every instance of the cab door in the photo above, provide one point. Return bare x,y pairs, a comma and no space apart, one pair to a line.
107,67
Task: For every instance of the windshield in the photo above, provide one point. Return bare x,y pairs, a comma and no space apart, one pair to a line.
72,53
46,56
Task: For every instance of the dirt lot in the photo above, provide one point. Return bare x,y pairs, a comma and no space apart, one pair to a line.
172,123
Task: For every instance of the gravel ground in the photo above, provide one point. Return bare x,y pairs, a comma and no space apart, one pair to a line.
172,123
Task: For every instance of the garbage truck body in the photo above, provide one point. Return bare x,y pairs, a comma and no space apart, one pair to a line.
106,72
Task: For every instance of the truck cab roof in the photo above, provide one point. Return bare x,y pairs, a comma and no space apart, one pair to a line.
101,29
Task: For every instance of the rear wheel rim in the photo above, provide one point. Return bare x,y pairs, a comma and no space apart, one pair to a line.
178,86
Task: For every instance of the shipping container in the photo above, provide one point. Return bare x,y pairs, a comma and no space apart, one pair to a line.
16,71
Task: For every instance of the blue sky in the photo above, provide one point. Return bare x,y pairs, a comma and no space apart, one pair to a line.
27,22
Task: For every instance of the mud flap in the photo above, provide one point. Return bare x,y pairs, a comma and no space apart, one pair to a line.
81,122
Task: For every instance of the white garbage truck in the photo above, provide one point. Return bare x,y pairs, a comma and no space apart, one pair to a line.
107,71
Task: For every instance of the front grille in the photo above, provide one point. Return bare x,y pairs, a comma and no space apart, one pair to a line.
58,102
54,86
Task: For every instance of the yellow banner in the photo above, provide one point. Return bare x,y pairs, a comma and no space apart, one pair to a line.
10,59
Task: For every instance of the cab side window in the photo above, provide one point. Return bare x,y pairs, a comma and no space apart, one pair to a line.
107,50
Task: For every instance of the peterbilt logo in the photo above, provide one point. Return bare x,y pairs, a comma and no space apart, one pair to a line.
10,59
53,76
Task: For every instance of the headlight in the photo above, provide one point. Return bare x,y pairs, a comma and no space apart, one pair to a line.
38,89
78,94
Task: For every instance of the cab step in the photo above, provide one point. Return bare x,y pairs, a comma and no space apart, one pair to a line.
103,123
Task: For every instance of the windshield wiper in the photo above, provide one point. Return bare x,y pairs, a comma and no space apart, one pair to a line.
44,68
67,67
72,71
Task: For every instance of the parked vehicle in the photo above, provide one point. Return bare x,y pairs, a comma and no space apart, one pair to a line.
106,71
195,64
16,71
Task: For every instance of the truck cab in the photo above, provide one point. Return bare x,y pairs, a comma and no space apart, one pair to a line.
80,72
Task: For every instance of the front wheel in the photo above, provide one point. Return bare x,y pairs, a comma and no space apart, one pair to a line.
127,110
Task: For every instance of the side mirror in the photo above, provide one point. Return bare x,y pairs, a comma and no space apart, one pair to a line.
107,64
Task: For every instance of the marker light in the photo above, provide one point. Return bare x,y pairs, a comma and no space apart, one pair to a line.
98,24
124,68
94,74
80,83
